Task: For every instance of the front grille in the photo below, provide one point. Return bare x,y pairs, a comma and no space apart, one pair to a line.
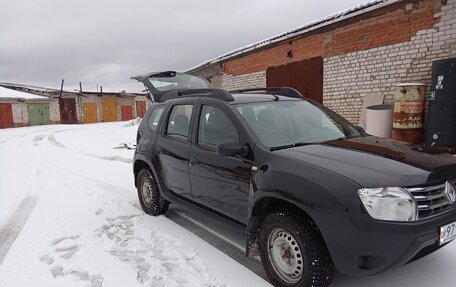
431,200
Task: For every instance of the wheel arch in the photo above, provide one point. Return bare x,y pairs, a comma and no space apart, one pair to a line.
263,207
138,165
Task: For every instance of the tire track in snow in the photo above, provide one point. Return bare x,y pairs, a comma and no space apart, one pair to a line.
13,226
55,142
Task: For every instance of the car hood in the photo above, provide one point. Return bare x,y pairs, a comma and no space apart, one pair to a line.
374,162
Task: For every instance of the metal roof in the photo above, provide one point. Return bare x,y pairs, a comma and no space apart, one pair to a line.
334,18
10,94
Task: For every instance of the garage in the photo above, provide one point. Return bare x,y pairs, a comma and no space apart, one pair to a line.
109,109
90,113
6,116
140,108
305,76
126,112
68,114
38,114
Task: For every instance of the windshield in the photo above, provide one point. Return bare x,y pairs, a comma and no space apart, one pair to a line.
292,123
178,81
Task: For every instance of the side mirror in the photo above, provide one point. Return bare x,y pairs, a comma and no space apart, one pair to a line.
231,149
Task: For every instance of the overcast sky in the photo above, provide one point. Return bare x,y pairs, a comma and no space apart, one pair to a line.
101,42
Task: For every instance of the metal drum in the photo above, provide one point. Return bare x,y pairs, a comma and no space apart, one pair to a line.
441,118
408,113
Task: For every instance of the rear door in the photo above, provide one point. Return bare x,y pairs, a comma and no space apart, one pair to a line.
160,83
172,148
219,182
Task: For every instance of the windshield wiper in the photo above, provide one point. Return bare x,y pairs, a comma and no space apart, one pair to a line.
291,145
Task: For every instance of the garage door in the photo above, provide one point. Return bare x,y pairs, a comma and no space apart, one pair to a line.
127,113
305,76
90,113
6,116
38,114
68,111
140,108
109,110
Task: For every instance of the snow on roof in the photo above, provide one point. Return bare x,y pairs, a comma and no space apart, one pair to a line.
6,93
334,18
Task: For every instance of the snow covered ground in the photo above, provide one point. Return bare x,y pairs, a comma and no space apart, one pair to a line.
69,216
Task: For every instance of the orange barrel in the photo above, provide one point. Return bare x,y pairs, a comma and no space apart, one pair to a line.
408,113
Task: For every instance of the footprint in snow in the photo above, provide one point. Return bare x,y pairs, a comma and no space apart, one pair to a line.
61,250
157,257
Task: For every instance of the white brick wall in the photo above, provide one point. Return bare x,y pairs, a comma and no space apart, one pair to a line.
20,114
253,80
348,78
54,111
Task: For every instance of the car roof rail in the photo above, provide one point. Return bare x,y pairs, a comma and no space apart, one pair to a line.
281,91
188,93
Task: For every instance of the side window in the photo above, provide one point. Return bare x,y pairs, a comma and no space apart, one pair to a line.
215,127
155,117
179,120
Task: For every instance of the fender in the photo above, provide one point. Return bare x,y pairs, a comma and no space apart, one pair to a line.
279,187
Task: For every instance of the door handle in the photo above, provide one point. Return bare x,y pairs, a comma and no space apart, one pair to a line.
194,161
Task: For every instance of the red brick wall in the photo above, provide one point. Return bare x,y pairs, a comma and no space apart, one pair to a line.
395,24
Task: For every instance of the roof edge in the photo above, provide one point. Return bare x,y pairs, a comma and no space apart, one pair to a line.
329,20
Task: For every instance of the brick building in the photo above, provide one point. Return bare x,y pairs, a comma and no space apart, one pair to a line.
20,103
342,59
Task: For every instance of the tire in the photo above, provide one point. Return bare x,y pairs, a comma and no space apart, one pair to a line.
149,195
293,252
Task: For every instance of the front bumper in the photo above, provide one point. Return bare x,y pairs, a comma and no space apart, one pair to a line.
362,246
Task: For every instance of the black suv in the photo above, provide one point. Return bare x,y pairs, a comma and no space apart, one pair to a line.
313,191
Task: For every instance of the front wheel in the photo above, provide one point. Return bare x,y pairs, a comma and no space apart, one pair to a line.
293,252
149,195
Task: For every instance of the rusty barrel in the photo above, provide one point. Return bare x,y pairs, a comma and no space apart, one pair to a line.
408,113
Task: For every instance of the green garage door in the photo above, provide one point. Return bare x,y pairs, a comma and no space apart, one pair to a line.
38,114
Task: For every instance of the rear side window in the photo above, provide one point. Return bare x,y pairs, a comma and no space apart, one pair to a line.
179,120
155,117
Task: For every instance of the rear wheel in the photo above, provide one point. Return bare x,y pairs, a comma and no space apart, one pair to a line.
293,252
149,195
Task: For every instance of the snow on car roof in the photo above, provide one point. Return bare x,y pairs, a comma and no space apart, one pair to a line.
334,18
6,93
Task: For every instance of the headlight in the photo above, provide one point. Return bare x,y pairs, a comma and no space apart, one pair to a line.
388,203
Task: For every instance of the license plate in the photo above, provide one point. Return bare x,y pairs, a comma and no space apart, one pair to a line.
447,233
